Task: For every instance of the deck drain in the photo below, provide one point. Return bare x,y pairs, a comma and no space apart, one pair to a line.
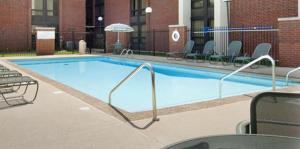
58,92
85,108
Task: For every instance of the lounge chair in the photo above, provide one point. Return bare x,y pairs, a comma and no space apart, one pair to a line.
208,50
117,47
273,113
3,68
261,50
13,73
187,50
234,50
11,88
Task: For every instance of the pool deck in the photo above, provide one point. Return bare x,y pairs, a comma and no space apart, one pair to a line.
61,120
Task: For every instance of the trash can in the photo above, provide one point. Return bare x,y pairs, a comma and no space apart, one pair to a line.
82,47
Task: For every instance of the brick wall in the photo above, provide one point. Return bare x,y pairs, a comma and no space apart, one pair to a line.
289,45
165,13
180,44
261,12
15,28
116,11
72,17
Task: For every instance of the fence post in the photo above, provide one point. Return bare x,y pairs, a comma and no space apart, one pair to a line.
3,35
73,39
153,41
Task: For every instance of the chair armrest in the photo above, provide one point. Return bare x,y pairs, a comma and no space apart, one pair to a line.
243,127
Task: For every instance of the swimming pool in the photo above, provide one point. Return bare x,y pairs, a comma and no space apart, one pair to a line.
176,85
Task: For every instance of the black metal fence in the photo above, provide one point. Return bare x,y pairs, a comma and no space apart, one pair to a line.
156,42
250,36
69,40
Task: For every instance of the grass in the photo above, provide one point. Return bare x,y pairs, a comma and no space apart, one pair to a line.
33,53
17,54
65,52
161,54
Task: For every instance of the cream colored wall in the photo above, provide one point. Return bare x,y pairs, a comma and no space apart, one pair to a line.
184,13
220,11
298,8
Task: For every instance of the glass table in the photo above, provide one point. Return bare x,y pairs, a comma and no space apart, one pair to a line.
239,142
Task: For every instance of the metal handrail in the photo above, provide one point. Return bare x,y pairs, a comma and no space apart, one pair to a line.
246,66
126,51
289,73
129,51
149,66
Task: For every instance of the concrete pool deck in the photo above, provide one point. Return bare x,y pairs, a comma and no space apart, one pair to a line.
61,120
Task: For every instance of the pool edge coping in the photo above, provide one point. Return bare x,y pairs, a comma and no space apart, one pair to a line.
128,116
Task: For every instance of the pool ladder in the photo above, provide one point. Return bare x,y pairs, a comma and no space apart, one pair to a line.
288,75
221,81
149,66
126,52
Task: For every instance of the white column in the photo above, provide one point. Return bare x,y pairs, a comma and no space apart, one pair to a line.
220,11
298,8
220,16
184,13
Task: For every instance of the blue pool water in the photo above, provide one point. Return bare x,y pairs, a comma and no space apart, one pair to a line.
176,85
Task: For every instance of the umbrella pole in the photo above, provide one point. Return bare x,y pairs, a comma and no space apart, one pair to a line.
118,37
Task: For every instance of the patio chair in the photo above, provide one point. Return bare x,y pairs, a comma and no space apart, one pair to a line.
274,113
233,51
11,73
11,88
187,50
261,50
117,47
208,50
3,68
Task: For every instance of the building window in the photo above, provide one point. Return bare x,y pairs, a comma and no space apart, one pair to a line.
134,8
37,7
44,13
138,7
211,23
138,22
197,4
211,3
50,7
202,16
197,26
44,7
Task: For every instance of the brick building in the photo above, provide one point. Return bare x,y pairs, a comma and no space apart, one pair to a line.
18,19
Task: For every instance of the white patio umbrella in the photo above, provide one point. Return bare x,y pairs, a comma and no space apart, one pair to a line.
118,27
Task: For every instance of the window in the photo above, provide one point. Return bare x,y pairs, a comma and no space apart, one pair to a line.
138,23
202,16
138,7
44,7
134,7
197,4
143,7
37,7
211,3
211,23
197,26
50,8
